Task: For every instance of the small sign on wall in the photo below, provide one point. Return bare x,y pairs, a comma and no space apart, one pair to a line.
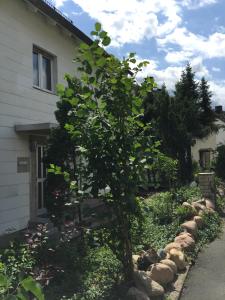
23,164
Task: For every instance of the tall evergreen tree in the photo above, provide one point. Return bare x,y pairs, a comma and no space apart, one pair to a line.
186,108
180,119
207,115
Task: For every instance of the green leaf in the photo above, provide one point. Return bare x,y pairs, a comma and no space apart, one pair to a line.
98,26
74,101
3,281
69,92
84,46
101,62
60,89
103,34
114,80
22,295
11,297
133,60
30,285
106,41
94,33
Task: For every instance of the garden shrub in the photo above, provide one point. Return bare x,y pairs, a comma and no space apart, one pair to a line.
187,193
184,213
209,232
219,163
162,207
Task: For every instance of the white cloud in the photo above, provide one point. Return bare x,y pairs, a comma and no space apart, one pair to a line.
192,45
199,68
218,90
58,3
131,21
195,4
172,74
214,69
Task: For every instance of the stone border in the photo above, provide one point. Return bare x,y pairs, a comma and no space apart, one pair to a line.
178,285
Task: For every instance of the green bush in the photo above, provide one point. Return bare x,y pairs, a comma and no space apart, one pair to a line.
162,207
184,213
102,272
212,228
219,163
187,193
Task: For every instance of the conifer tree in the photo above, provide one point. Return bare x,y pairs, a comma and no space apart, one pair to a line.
207,115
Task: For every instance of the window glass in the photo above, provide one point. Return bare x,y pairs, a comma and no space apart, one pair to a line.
46,73
35,69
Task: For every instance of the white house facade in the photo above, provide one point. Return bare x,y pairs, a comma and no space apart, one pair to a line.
204,150
37,46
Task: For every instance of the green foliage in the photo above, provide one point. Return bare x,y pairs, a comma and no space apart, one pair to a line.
178,120
207,115
25,287
187,194
153,234
219,163
184,213
211,230
17,260
164,171
162,207
102,272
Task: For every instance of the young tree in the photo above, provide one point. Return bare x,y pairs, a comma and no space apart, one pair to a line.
113,147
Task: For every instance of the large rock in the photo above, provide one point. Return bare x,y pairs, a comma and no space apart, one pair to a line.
185,240
161,273
135,294
186,204
199,221
148,286
210,204
147,258
135,258
179,259
172,246
191,227
191,208
170,264
199,207
201,201
151,256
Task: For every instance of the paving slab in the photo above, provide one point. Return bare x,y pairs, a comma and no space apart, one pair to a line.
206,279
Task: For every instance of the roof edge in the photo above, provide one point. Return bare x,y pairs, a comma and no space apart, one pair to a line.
52,12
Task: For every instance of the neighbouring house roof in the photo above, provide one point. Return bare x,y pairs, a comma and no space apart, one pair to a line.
35,129
48,9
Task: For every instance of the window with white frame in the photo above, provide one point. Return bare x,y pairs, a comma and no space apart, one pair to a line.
43,70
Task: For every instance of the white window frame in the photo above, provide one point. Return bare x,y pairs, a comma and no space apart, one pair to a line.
42,53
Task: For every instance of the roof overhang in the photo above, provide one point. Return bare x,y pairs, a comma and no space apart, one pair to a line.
58,17
35,129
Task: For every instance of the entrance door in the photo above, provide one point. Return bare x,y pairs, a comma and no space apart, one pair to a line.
40,181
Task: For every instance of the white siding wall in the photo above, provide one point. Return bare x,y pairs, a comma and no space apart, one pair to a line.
212,141
20,103
220,137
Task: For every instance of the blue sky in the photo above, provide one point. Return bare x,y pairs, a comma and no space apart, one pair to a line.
167,33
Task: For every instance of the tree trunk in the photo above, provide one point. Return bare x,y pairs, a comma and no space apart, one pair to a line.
127,252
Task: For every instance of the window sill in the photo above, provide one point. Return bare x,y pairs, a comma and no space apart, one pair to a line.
44,90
